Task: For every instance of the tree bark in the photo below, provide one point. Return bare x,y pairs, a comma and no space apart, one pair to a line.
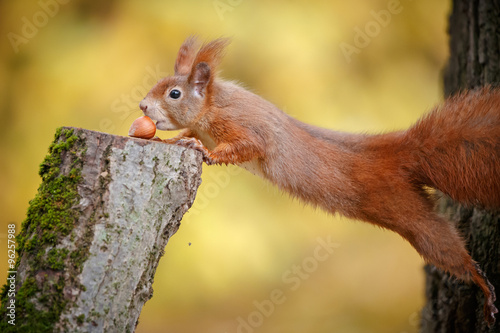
94,234
453,306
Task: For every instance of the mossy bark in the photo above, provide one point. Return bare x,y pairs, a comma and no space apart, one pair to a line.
94,233
453,306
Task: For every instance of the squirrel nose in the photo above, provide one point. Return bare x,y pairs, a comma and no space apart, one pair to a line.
143,106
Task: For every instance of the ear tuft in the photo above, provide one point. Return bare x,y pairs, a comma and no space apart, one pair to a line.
205,63
186,56
212,52
201,78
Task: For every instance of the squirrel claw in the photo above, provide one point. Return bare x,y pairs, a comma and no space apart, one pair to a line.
196,144
192,143
156,139
490,297
208,160
489,312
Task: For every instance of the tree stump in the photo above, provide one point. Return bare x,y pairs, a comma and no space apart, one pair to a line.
94,233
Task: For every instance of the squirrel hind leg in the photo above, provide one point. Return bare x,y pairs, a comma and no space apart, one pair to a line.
439,243
488,290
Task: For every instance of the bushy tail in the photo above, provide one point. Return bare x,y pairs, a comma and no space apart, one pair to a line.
457,148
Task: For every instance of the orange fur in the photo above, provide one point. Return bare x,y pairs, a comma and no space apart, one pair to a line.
185,57
380,179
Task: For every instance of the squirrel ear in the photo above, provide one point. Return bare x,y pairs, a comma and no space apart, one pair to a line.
200,78
204,65
186,56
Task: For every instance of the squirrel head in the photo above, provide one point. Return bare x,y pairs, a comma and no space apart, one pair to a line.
176,101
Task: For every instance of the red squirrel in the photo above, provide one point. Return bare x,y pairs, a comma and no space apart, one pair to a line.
381,179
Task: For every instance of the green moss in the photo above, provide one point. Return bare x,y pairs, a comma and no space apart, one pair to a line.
80,319
50,211
78,257
51,216
56,258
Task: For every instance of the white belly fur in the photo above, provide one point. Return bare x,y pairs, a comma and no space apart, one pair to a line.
252,166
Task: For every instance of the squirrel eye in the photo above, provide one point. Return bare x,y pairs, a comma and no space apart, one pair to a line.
175,94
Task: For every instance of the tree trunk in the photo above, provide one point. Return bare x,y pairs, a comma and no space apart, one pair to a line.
94,234
453,306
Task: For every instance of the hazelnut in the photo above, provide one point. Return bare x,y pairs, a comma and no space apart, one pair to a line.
143,127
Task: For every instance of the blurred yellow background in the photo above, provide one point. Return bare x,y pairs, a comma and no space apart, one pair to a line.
344,65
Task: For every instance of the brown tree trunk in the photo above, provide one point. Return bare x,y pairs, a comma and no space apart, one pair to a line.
453,306
94,234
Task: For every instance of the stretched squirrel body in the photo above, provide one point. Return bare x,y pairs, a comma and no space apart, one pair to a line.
381,179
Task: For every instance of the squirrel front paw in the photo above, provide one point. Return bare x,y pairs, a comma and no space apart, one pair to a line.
196,144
